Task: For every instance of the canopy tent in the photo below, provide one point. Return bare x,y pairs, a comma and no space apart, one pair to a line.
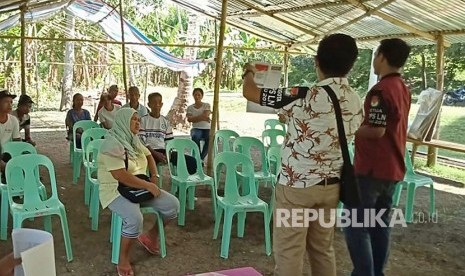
107,18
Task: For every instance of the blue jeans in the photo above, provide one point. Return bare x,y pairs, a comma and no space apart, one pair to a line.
198,134
369,246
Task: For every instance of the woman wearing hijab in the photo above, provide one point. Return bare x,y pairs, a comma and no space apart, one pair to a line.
121,143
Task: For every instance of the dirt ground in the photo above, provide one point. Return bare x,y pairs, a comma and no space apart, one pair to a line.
420,249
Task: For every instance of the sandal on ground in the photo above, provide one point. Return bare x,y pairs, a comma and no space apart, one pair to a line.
151,246
124,271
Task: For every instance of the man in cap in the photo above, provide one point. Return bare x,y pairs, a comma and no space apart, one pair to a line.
22,114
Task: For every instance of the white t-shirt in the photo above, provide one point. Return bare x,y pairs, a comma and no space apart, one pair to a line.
192,111
141,109
108,117
9,130
155,131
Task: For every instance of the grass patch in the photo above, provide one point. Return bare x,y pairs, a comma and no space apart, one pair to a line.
441,170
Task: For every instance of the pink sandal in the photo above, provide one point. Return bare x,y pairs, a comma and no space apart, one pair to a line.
152,247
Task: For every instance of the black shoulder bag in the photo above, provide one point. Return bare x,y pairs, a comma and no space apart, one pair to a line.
135,195
349,188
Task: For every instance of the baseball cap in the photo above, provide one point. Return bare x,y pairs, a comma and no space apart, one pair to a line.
6,94
25,99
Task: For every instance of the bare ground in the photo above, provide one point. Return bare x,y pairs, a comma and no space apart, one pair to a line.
420,249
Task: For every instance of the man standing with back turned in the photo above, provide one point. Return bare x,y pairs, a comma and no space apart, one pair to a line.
379,157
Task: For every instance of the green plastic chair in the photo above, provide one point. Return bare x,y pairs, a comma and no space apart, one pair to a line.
270,137
23,169
274,163
232,202
160,168
244,145
91,188
411,182
88,136
274,124
77,153
15,149
222,136
115,234
184,182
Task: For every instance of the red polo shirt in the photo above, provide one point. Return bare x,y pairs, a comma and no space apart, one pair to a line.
386,105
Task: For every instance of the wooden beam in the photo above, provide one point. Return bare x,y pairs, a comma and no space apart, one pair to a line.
286,67
23,50
247,30
434,130
348,23
216,91
123,49
285,21
394,21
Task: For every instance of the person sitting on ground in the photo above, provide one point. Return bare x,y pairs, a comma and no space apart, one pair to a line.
76,114
199,115
106,114
134,96
123,146
156,130
113,92
22,114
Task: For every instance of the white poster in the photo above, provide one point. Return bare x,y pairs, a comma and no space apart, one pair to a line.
267,75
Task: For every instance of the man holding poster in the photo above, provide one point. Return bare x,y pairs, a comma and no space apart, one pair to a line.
311,155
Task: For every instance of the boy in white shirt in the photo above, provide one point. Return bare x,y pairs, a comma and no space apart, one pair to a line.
107,113
155,130
134,96
9,125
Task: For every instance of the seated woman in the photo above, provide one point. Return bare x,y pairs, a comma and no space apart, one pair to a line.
199,115
122,157
76,114
106,114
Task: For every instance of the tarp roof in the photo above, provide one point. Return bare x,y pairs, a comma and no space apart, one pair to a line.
304,22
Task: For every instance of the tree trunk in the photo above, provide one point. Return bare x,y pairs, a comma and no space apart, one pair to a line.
177,113
67,81
424,81
132,79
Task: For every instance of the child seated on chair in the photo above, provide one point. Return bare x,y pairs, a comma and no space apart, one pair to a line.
156,130
22,114
76,114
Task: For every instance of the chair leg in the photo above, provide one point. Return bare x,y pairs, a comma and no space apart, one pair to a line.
267,233
225,239
4,216
94,207
410,200
161,235
432,203
117,223
112,227
191,198
397,193
76,166
241,224
219,214
182,202
66,237
214,206
48,224
87,190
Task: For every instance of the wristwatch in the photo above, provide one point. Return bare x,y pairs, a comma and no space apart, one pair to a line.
246,72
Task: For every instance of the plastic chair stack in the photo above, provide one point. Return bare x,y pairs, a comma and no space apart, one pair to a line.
226,138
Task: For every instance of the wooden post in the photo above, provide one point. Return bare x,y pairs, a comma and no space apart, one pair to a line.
123,49
23,51
432,151
286,67
216,91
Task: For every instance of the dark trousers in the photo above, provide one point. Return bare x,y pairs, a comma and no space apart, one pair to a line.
197,135
369,246
190,161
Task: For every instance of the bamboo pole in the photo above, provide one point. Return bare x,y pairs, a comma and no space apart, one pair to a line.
23,51
123,49
286,67
216,95
432,151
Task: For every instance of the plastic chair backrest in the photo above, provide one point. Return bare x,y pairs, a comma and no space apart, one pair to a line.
244,145
92,151
181,146
408,163
23,170
232,161
224,135
275,124
84,125
18,148
274,156
270,137
92,134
